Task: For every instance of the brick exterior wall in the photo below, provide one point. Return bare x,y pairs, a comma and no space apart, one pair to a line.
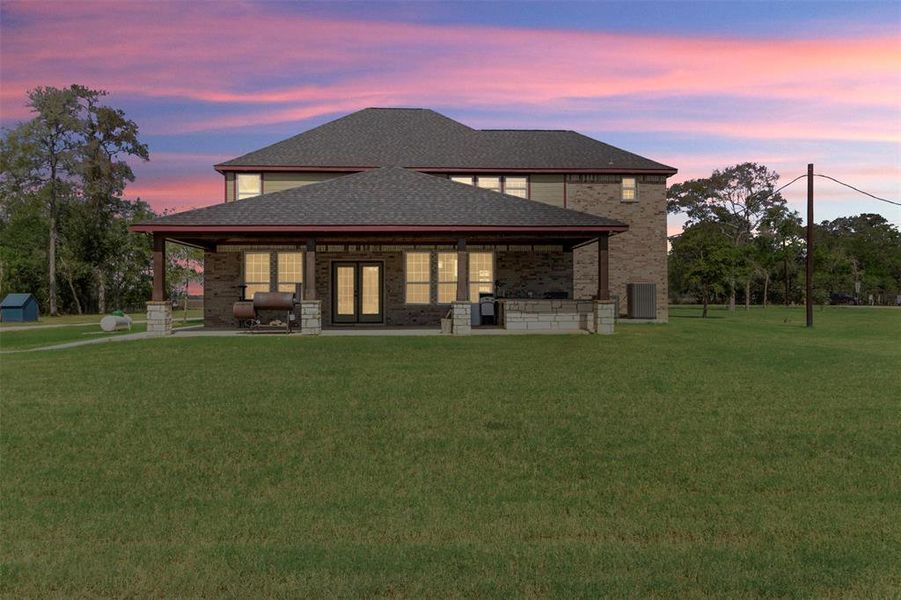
521,273
221,277
637,256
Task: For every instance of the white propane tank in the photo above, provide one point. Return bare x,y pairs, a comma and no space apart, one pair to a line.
114,323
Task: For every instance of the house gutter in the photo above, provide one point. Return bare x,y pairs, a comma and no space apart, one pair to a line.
181,229
222,168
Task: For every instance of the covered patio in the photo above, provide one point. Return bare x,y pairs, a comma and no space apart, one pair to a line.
392,248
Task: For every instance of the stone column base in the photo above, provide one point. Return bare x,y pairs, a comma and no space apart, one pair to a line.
603,317
310,317
159,317
461,315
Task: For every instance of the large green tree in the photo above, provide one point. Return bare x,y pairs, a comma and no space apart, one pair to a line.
736,201
701,260
69,162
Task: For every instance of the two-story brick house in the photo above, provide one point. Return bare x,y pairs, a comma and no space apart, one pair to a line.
393,216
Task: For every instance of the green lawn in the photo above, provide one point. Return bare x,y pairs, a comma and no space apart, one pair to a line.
741,455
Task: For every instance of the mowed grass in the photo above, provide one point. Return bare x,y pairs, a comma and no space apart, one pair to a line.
741,455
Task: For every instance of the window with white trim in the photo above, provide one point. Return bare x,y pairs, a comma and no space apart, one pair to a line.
418,280
516,186
290,271
492,183
248,185
481,274
447,277
630,189
256,273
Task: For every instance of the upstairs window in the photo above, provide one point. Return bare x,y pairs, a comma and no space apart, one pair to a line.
256,273
489,183
516,186
418,278
290,271
630,189
249,185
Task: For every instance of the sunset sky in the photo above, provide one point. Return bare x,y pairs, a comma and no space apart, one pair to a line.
695,85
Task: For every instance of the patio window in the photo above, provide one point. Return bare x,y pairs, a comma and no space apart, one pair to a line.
290,271
249,185
467,179
418,278
447,277
516,186
630,189
481,274
256,273
489,183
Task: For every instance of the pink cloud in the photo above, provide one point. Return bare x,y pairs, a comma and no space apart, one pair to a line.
226,57
177,194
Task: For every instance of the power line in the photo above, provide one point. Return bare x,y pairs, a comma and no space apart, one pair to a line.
848,185
776,191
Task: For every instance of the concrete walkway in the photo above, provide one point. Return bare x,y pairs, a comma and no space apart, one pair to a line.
364,332
194,331
4,329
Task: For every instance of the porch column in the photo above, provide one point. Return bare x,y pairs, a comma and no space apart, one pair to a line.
603,267
310,306
159,268
159,311
462,272
309,277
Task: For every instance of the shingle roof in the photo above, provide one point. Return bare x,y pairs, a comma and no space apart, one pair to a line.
424,139
388,196
15,300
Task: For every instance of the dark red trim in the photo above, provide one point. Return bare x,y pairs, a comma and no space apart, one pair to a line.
180,229
493,170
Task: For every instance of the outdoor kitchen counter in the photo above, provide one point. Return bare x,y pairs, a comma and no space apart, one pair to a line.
544,314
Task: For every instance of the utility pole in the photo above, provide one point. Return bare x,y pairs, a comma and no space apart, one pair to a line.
810,245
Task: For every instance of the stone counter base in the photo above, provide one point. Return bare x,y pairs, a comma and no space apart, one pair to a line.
461,321
310,317
159,318
566,315
561,315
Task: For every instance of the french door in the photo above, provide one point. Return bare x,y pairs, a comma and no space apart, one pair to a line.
357,292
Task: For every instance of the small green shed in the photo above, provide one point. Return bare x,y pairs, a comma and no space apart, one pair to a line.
19,307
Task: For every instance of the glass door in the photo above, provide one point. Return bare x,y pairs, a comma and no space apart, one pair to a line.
370,292
357,292
345,293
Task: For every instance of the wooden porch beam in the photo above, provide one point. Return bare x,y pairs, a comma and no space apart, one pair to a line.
462,272
159,268
309,278
603,267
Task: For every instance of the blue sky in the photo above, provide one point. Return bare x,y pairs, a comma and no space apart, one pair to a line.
697,85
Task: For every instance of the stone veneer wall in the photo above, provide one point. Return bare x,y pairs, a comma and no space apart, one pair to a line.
522,273
637,256
566,315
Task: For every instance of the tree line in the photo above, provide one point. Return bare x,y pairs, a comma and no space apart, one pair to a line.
64,224
741,241
63,216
